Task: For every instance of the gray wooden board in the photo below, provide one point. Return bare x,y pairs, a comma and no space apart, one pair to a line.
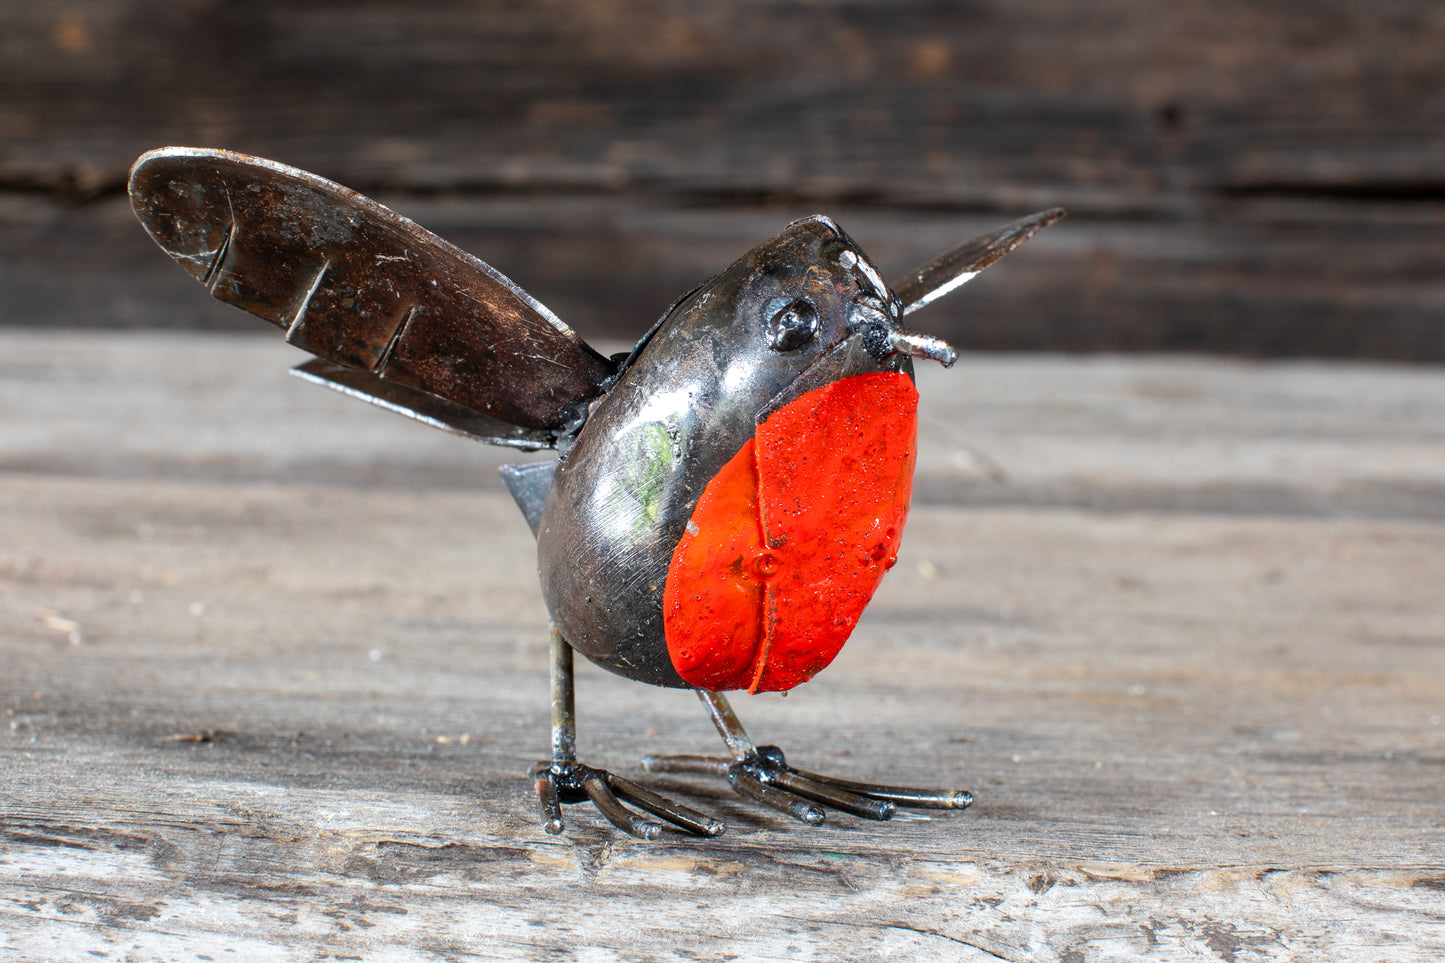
273,666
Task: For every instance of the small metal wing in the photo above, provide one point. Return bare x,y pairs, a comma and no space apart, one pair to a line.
952,268
426,408
351,281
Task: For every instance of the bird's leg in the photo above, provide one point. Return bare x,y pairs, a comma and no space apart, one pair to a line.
565,780
762,773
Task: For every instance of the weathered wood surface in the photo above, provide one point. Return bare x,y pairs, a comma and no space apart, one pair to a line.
1252,178
273,665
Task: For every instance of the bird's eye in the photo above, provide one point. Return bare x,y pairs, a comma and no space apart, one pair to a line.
793,326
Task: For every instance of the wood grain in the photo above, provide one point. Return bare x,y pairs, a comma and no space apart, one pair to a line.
1243,178
1122,101
273,666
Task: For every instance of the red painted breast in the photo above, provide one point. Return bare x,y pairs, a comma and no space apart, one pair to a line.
791,538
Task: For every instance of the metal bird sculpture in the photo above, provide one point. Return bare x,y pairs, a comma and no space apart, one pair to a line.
727,496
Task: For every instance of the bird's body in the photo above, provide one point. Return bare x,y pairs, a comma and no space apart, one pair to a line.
727,497
623,535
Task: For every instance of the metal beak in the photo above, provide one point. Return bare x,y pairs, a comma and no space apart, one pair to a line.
922,346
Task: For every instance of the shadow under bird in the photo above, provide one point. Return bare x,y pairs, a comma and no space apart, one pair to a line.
727,496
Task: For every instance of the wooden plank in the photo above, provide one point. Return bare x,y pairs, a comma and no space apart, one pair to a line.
273,666
1121,101
1243,179
1283,285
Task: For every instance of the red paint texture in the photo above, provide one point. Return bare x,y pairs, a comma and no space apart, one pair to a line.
791,538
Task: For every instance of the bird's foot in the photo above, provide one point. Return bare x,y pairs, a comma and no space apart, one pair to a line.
764,774
558,783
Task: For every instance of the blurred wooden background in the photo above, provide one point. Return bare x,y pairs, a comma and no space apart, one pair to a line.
1261,179
270,660
272,669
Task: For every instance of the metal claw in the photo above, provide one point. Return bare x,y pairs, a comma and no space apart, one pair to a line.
617,814
683,817
565,780
708,765
900,795
848,802
780,799
547,801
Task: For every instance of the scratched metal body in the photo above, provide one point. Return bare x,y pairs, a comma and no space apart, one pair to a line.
401,318
691,399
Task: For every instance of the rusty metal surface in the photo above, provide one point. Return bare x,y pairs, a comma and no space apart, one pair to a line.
683,408
403,319
359,285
